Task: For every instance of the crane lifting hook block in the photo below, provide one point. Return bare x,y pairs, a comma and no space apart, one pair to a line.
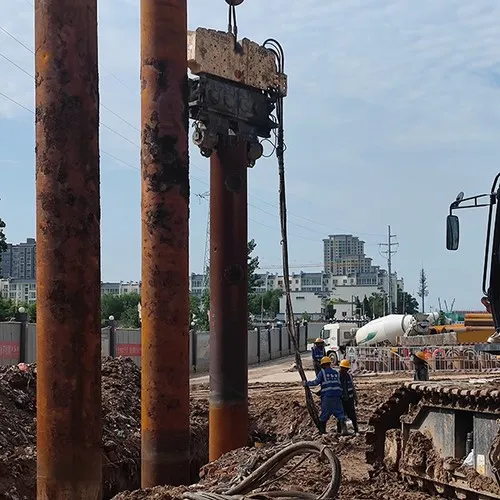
212,52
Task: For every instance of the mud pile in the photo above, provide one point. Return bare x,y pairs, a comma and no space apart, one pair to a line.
121,386
421,457
310,476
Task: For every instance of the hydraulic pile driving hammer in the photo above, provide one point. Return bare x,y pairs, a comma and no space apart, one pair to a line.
231,101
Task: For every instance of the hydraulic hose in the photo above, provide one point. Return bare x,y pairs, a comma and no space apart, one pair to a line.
262,476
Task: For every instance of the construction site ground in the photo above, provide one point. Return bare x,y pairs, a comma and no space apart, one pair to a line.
278,417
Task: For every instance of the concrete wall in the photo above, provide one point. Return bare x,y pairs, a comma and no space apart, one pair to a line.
263,345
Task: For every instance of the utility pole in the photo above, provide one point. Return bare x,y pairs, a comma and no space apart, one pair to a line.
165,230
388,253
69,447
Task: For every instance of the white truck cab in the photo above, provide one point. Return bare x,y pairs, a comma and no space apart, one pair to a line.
337,337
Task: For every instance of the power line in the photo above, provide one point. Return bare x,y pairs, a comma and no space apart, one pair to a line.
307,228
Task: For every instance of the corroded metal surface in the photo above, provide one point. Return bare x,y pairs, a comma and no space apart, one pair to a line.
212,52
68,251
165,217
228,419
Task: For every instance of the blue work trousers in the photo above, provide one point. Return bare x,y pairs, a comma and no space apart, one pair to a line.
331,406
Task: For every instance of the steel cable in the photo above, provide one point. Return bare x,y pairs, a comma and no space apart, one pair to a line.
278,51
261,476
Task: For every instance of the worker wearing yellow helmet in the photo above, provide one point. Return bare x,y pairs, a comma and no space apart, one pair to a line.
331,395
421,366
318,352
349,396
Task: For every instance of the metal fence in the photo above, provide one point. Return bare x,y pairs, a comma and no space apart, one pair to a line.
439,358
18,344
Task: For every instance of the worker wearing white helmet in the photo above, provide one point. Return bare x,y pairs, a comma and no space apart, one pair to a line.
349,396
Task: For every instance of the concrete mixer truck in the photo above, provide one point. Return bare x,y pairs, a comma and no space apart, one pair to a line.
380,331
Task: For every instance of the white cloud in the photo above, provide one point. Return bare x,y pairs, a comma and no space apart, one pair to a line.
392,105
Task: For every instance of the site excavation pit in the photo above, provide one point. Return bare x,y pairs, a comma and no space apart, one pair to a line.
278,417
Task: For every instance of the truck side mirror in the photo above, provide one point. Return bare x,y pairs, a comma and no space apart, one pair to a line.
452,232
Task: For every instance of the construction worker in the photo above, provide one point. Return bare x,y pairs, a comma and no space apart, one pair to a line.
318,352
421,366
331,395
349,396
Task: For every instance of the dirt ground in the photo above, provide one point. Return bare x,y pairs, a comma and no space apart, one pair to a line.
278,417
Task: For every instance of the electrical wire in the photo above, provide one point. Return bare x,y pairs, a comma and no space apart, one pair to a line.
280,153
260,477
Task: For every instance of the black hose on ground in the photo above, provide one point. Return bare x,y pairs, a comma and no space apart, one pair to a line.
268,469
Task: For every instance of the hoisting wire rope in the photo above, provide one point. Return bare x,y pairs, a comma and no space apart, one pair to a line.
278,51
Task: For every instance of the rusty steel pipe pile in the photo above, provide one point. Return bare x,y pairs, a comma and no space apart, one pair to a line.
165,230
68,251
228,416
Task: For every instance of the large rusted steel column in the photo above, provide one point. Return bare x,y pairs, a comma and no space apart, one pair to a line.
165,229
68,251
228,420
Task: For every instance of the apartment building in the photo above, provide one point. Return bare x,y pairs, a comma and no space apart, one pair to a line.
19,261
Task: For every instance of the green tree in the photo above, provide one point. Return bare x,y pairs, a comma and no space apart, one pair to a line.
306,316
254,280
378,305
367,308
423,287
31,308
407,304
123,308
7,309
359,308
3,242
198,308
271,301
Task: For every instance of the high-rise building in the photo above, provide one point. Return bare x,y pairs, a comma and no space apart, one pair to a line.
19,261
344,255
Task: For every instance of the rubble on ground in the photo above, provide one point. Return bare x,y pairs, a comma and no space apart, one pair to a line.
277,417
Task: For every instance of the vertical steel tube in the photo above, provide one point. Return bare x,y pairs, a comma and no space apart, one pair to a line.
68,251
228,417
165,229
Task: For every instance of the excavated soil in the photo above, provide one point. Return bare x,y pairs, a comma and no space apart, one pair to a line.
121,386
277,417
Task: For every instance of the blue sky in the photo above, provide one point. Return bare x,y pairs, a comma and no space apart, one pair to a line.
393,108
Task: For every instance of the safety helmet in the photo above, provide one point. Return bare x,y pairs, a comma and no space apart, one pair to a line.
394,350
345,363
420,355
319,341
325,360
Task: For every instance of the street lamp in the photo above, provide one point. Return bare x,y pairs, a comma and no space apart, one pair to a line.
112,336
23,333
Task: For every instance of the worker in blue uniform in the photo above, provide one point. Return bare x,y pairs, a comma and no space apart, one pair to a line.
331,395
317,353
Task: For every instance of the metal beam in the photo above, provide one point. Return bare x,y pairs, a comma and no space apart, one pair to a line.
68,251
165,228
228,419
